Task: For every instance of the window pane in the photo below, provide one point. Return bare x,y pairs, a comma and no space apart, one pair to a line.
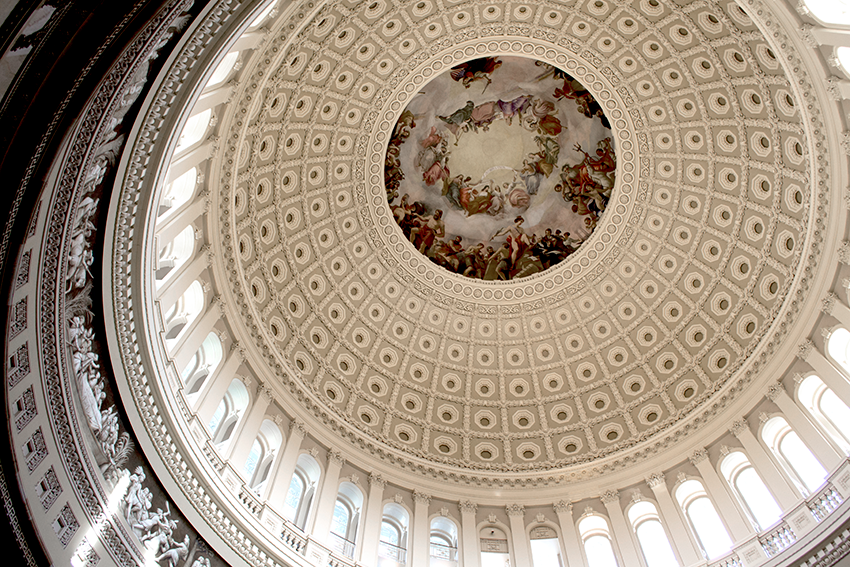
388,533
599,552
339,524
495,559
545,553
293,498
802,460
253,458
217,417
655,545
837,412
830,11
710,530
758,498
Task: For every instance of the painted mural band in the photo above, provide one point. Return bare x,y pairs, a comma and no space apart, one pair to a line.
500,168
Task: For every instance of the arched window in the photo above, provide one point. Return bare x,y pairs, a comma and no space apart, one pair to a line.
394,526
827,409
194,130
229,410
182,313
494,547
174,254
258,465
545,548
703,518
838,348
596,540
830,11
205,361
346,517
178,192
261,17
792,453
302,488
443,548
651,536
223,70
750,489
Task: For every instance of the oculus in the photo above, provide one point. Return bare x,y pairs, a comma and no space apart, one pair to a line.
500,168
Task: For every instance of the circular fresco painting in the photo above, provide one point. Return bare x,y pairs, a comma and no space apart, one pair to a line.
500,168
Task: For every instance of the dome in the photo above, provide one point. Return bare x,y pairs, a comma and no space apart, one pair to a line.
446,283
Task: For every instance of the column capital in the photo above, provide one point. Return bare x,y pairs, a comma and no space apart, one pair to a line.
738,427
421,498
297,427
278,419
656,480
698,456
808,36
335,457
804,349
828,302
265,391
774,391
514,510
563,507
467,507
237,350
218,302
610,497
844,252
206,250
375,479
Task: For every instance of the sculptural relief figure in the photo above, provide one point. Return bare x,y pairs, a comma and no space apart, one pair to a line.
175,551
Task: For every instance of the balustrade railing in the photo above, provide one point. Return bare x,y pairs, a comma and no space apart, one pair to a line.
776,540
394,552
342,545
824,502
293,536
729,560
444,552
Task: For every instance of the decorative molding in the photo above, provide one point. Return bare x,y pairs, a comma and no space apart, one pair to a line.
421,497
656,480
774,391
467,507
298,427
377,481
698,456
805,349
808,36
828,302
610,497
514,510
843,252
335,457
563,507
738,427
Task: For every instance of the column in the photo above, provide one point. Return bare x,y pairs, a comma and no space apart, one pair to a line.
516,515
174,287
622,531
680,535
826,371
216,385
246,430
811,436
785,493
194,337
572,545
281,475
421,544
469,534
739,529
327,497
168,230
372,524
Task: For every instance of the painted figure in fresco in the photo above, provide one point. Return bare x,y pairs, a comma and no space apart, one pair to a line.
515,107
476,70
429,228
456,121
452,190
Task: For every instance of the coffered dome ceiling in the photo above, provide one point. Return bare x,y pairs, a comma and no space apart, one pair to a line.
688,283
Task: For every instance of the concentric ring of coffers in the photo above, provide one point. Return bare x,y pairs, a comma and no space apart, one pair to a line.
517,377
